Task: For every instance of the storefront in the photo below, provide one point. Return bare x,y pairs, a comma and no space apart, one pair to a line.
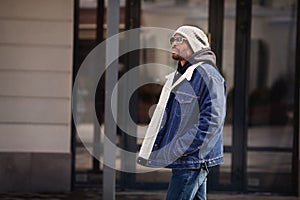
256,43
43,45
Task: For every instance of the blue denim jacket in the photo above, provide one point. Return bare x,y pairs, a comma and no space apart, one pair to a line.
190,131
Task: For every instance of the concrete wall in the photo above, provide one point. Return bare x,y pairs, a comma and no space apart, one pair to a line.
36,45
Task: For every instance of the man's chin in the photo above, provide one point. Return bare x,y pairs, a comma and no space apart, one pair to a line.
175,56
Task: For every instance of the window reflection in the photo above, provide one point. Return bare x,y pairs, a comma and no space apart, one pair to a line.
271,75
271,85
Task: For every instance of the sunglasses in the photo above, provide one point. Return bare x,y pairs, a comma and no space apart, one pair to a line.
177,40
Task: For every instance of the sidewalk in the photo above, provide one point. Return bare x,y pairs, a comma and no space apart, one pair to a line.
136,195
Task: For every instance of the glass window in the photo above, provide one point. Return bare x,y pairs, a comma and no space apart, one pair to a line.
271,95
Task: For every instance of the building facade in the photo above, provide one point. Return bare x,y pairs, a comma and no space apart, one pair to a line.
36,82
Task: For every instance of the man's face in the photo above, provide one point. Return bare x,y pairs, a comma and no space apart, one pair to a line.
181,50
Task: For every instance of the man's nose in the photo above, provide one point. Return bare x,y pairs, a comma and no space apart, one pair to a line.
174,44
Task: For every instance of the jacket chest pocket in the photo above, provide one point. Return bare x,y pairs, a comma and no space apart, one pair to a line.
185,104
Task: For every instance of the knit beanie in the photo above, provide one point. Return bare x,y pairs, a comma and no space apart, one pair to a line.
196,38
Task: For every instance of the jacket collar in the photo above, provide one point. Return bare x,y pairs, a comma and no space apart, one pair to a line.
187,75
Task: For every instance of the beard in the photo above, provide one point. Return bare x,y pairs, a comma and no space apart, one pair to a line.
176,54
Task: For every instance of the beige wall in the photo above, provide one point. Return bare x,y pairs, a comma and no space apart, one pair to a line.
36,44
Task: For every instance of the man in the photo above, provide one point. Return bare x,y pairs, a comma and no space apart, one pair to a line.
186,130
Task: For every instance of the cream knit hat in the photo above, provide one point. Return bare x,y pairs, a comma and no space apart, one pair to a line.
195,36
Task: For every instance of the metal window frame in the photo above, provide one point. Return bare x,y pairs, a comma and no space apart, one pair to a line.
75,70
215,28
131,59
295,165
240,105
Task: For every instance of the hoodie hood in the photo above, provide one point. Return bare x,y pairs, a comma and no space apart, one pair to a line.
204,55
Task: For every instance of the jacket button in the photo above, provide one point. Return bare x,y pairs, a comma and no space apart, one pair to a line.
155,145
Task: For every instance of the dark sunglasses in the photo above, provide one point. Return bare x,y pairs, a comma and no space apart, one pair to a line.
177,40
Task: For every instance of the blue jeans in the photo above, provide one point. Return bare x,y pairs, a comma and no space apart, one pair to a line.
187,184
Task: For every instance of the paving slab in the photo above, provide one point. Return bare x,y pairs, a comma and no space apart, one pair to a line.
134,195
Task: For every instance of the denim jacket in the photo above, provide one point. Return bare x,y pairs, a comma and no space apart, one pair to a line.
186,130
